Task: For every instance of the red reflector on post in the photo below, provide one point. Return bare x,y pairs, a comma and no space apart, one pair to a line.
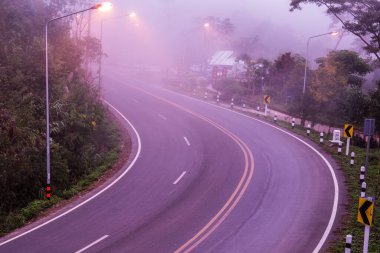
48,191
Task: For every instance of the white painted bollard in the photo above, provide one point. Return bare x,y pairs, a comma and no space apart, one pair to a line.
362,174
348,244
244,106
321,138
205,95
339,148
308,129
217,99
352,160
364,188
293,122
232,103
275,118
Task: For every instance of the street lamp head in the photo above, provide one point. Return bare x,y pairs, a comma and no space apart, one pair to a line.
206,25
103,7
132,15
334,33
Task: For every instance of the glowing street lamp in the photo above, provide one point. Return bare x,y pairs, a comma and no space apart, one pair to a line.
206,25
132,15
307,55
103,7
106,6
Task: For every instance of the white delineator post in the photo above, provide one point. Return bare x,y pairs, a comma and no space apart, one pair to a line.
321,138
217,99
293,122
232,103
339,148
266,110
364,188
275,118
348,244
205,95
362,174
308,129
352,160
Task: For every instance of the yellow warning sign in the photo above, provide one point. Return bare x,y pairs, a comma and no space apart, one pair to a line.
267,99
348,131
365,211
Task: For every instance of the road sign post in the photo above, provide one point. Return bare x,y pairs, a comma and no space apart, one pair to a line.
365,216
369,131
348,133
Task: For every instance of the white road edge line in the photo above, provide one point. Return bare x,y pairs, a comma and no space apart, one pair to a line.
92,244
180,177
97,194
187,141
336,186
162,116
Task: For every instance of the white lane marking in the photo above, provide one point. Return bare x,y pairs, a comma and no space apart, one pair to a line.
333,175
97,194
92,244
187,141
162,116
180,177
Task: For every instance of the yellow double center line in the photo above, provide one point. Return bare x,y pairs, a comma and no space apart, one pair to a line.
236,196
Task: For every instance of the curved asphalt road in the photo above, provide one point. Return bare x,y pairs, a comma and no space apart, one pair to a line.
191,188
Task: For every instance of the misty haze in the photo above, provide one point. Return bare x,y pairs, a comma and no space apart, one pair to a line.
189,126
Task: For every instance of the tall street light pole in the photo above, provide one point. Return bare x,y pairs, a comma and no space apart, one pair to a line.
307,56
206,27
130,15
102,7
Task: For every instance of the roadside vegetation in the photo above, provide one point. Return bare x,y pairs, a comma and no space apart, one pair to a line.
84,141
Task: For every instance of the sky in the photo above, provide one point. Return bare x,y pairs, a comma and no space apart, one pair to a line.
159,21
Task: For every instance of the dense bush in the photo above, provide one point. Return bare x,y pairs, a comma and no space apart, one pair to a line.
81,136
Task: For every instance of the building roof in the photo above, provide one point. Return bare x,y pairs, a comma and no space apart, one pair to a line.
223,58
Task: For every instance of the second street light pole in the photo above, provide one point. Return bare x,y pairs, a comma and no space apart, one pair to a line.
102,7
307,56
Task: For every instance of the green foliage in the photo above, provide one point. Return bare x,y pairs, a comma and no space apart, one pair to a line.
375,107
361,18
81,135
286,80
230,88
336,87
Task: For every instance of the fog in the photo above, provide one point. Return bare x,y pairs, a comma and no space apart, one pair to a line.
170,32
